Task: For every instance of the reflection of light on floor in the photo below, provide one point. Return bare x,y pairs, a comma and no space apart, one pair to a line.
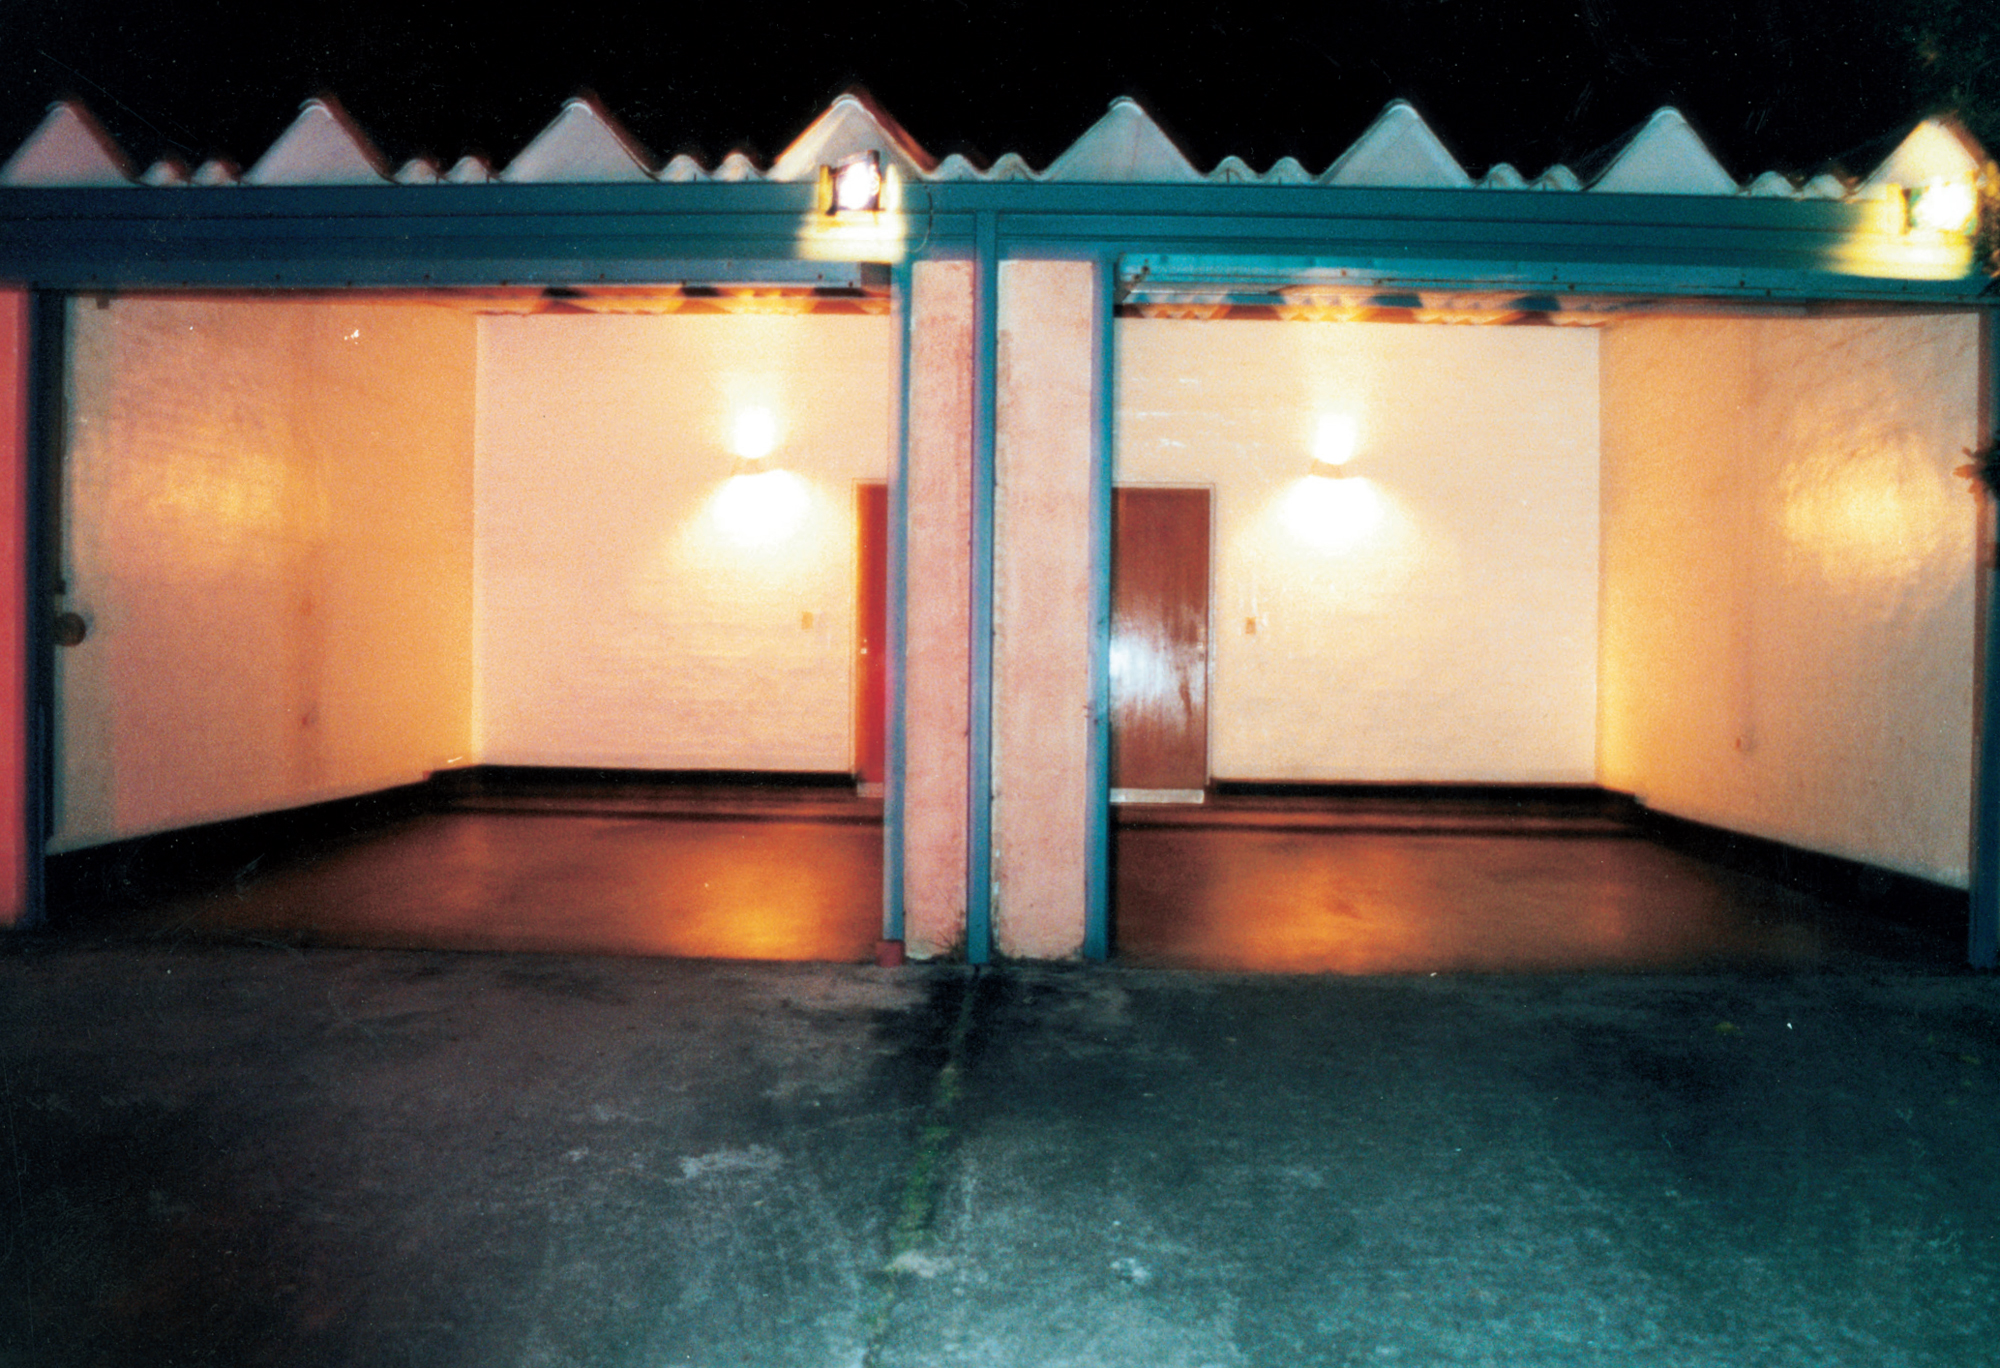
780,890
1354,903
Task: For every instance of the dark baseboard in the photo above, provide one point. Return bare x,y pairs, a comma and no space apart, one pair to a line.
1880,892
141,870
531,780
1581,800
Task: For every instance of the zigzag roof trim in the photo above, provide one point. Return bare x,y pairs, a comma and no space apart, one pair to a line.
585,144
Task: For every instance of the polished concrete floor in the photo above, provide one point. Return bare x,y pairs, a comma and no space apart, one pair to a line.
1262,887
708,886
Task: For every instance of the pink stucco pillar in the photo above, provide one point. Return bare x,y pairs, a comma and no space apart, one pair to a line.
1041,685
936,718
14,617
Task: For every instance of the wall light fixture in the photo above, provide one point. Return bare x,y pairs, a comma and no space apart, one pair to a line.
852,185
1334,442
1945,206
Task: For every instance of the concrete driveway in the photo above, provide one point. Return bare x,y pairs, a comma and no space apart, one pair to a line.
235,1154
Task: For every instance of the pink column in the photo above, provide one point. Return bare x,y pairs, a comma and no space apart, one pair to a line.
14,614
935,692
1041,666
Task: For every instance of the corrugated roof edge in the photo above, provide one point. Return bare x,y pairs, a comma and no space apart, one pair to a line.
584,143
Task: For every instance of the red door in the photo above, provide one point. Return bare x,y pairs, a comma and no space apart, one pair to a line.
1159,641
871,634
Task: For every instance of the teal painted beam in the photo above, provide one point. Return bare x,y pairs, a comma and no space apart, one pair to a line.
413,235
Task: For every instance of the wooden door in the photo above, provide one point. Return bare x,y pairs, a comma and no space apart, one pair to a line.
1159,641
871,634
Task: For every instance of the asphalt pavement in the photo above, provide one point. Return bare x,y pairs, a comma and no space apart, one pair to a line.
221,1153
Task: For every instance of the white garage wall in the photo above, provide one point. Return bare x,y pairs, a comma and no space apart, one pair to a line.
270,530
1434,616
1788,579
622,619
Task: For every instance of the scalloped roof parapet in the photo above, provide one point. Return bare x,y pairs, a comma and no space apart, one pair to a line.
1399,150
956,167
321,147
846,128
1124,145
682,169
67,148
1666,157
1011,166
581,145
584,144
1936,149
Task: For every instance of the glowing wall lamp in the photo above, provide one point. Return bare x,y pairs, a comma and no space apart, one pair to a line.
1333,444
1944,206
754,434
758,505
852,185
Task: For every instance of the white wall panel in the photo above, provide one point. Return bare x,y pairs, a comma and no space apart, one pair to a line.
1432,616
269,521
1788,584
639,603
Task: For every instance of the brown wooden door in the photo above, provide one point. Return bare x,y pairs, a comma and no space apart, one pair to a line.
871,633
1159,639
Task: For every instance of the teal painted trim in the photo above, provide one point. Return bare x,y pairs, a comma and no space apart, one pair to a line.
1257,278
1983,926
985,431
893,833
47,424
408,236
1103,470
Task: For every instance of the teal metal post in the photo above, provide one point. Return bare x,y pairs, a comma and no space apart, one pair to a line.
48,363
1097,783
899,599
985,427
1983,926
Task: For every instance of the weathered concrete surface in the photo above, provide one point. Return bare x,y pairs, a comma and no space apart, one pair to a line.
248,1155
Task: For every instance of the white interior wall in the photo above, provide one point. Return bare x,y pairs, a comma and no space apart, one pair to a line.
1788,579
638,604
1432,617
269,522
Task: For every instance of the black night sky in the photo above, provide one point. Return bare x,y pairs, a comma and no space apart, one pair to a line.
1772,84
